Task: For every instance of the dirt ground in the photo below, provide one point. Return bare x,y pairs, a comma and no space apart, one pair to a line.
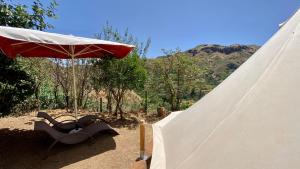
23,148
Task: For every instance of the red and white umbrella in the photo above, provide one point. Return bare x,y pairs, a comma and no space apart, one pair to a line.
33,43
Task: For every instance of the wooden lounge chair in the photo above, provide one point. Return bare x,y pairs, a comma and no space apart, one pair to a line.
75,137
68,125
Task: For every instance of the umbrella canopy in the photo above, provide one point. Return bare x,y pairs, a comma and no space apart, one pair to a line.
33,43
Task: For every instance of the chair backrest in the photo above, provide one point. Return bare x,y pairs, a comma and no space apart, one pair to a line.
47,117
88,119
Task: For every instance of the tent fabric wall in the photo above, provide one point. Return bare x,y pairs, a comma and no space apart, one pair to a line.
250,121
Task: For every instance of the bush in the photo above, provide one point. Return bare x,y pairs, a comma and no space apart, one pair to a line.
15,85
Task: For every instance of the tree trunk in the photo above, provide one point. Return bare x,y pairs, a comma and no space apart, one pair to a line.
121,113
146,102
80,97
173,101
56,94
100,106
85,103
37,96
120,106
67,100
118,96
109,102
117,108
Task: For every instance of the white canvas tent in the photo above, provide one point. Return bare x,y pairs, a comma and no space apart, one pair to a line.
250,121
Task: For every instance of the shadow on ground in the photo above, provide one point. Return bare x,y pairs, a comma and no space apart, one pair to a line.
26,148
128,122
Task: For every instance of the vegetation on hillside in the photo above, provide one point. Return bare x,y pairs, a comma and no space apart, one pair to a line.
179,79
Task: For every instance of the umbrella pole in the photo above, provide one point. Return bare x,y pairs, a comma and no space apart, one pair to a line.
74,88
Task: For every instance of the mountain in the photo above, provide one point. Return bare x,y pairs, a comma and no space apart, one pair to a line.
225,50
221,60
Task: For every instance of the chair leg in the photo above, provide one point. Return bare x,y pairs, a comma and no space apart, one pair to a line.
49,148
52,145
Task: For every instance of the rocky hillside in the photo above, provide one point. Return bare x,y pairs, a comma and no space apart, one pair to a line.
221,60
225,50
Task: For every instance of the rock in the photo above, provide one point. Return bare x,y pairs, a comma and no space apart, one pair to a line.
218,48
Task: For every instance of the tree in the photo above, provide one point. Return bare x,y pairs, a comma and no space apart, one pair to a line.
24,17
38,68
62,73
15,85
84,86
172,75
119,76
63,78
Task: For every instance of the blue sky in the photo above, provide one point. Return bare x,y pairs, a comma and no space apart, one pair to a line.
177,23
